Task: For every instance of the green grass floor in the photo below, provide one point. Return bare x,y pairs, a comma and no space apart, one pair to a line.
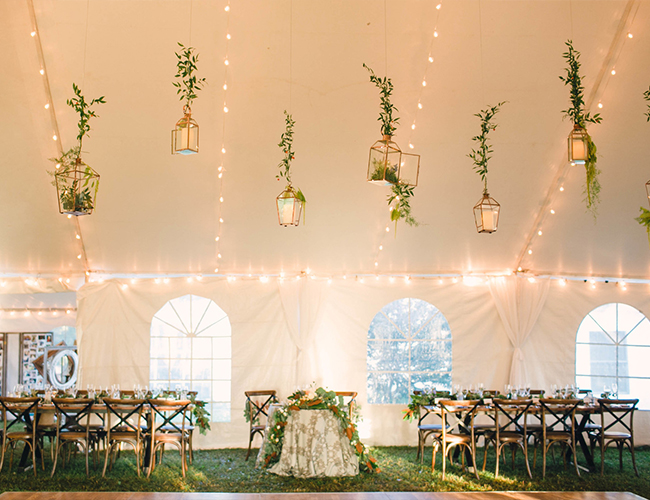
227,471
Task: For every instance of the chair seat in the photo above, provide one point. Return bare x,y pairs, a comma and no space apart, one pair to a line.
558,435
617,435
510,437
430,427
592,427
72,435
257,428
535,427
168,437
122,436
19,435
458,438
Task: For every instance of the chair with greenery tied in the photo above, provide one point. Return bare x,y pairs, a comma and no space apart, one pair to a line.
619,429
124,424
351,402
256,413
73,427
19,416
457,431
511,428
423,407
558,426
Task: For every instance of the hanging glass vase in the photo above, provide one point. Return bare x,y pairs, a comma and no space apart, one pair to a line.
578,142
387,164
289,206
76,189
486,214
185,136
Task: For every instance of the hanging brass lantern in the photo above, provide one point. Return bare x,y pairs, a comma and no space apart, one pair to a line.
76,189
289,207
388,165
486,214
185,136
578,145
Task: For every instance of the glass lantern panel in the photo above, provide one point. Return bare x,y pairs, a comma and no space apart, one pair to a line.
409,170
289,211
77,190
577,147
185,139
383,165
486,217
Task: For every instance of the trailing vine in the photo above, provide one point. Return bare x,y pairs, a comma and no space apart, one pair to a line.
580,118
646,96
286,145
385,86
188,84
401,194
320,400
482,154
644,218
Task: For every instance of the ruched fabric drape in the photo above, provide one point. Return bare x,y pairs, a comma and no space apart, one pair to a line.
519,302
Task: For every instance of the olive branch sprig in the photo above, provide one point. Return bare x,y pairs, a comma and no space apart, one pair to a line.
646,96
189,84
482,154
286,145
574,81
79,104
385,86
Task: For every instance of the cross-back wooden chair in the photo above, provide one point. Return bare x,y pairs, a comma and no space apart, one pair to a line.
427,429
619,429
167,426
343,396
457,431
20,420
73,427
124,424
558,426
511,428
258,403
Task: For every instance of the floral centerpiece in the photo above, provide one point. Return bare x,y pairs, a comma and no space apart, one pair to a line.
320,399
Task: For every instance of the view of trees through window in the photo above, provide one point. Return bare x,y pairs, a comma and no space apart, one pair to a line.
409,348
191,349
612,352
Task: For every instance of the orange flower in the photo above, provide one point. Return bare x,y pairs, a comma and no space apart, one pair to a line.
359,447
348,431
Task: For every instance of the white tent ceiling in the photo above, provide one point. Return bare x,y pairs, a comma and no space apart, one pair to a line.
158,213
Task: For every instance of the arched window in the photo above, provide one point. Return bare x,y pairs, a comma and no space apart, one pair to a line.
613,347
190,348
409,348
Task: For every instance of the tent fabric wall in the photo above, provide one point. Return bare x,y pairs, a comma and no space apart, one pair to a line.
114,324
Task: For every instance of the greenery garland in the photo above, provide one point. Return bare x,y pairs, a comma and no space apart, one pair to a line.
580,118
321,400
481,155
385,86
646,96
189,85
644,218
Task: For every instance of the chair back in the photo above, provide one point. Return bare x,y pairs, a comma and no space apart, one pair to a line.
169,413
343,396
620,413
72,415
257,403
124,415
559,414
510,415
458,417
19,411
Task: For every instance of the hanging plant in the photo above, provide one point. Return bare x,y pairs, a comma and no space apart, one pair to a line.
77,183
185,136
644,218
582,149
487,210
646,96
291,202
387,164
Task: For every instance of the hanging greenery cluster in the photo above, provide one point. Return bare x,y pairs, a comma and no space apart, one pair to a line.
580,118
400,193
644,218
646,96
385,86
482,154
286,145
188,84
76,197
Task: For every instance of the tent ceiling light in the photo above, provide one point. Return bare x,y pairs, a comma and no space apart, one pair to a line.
578,141
486,214
185,136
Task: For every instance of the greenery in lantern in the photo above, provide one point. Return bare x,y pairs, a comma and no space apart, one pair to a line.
580,118
188,84
76,182
400,195
286,145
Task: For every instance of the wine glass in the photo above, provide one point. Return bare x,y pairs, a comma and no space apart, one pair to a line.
615,389
606,391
